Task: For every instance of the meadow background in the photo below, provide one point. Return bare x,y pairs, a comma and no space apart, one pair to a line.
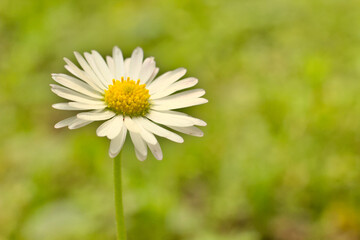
280,155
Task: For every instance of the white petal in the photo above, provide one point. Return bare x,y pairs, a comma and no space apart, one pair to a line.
169,119
66,122
119,63
78,123
156,150
176,104
193,131
72,95
86,106
182,96
103,129
131,125
140,156
166,80
160,131
76,106
110,62
64,106
72,68
135,63
162,76
195,121
96,116
103,67
177,86
115,127
90,73
127,67
146,135
147,70
139,143
110,128
90,59
153,75
117,143
77,85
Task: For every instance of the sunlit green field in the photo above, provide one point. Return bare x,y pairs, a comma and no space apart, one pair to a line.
280,155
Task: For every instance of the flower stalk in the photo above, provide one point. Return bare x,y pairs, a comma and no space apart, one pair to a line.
119,212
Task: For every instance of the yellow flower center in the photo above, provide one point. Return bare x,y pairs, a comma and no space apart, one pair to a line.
128,97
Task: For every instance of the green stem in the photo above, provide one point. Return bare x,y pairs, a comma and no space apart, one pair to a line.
118,199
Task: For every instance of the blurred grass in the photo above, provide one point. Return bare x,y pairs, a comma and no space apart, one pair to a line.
280,158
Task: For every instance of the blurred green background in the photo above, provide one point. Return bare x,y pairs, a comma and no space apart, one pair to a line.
280,155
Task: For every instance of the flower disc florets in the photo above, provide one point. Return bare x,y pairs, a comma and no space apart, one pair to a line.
128,98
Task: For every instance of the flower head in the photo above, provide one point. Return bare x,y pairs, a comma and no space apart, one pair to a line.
128,97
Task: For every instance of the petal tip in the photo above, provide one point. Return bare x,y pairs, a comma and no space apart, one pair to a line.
181,69
80,115
202,123
138,48
112,155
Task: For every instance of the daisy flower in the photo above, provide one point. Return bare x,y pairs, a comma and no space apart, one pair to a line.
129,97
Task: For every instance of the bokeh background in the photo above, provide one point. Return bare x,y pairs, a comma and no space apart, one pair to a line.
280,155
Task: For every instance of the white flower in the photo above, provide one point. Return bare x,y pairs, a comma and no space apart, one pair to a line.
126,94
